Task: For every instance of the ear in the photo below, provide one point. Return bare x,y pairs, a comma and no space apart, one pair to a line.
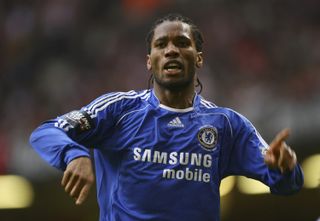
199,61
149,67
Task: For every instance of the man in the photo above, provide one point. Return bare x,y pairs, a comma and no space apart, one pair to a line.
161,154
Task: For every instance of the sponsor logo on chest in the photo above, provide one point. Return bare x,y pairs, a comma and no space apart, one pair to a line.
198,161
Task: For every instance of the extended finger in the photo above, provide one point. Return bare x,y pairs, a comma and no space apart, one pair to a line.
83,194
71,183
280,137
66,178
77,189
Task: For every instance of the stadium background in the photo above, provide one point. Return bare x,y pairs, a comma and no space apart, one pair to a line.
262,58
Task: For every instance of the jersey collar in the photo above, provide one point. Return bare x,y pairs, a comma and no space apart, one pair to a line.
156,103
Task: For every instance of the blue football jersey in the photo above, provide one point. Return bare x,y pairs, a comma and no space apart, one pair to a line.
155,162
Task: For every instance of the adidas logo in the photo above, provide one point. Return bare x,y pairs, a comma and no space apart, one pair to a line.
176,122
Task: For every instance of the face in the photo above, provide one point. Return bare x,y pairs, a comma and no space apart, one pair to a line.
173,58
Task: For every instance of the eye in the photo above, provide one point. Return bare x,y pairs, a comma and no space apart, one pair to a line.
183,43
160,44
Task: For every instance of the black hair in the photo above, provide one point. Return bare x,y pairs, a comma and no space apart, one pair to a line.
196,34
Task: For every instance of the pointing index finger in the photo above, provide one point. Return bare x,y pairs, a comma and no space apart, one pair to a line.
280,137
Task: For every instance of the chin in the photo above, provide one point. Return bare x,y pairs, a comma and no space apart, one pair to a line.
175,85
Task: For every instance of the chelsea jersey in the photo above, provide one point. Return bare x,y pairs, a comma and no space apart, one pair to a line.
155,162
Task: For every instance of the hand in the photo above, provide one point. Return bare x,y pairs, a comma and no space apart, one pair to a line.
280,155
78,179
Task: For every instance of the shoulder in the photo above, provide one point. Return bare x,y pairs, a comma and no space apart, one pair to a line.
117,101
209,107
234,118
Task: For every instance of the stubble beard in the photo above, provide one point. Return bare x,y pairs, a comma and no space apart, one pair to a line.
174,85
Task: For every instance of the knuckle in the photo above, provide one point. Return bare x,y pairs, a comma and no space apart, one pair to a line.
85,181
83,178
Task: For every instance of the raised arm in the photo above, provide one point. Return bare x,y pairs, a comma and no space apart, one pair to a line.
249,155
280,155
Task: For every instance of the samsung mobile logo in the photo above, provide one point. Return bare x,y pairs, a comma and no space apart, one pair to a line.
175,158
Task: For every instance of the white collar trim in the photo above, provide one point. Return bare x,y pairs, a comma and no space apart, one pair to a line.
176,109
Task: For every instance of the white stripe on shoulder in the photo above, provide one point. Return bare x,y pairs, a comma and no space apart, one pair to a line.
108,97
63,124
145,96
207,103
106,103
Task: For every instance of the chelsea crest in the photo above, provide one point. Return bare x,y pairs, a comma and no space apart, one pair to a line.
208,137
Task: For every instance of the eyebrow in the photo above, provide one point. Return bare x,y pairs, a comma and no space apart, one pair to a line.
184,37
162,38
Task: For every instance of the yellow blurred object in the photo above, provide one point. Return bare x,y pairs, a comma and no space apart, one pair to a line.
15,192
311,169
251,186
227,185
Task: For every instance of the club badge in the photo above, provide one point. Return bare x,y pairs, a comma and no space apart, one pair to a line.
208,137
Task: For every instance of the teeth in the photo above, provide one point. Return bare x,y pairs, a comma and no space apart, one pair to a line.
173,67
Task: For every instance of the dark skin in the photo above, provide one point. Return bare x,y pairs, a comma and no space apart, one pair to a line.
78,178
173,61
173,43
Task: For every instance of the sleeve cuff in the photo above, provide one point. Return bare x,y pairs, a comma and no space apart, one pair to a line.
75,152
289,183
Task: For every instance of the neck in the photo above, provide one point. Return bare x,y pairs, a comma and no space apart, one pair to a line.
176,99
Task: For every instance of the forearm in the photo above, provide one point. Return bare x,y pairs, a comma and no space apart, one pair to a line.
55,146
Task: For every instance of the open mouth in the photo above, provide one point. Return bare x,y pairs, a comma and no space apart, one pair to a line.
173,66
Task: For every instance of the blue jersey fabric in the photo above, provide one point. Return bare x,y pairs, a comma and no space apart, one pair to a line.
154,162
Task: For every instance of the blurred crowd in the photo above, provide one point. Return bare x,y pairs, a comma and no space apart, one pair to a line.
262,58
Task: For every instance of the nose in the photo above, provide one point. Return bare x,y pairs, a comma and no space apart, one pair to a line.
171,50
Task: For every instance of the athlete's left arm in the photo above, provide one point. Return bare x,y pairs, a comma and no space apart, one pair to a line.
249,155
281,157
